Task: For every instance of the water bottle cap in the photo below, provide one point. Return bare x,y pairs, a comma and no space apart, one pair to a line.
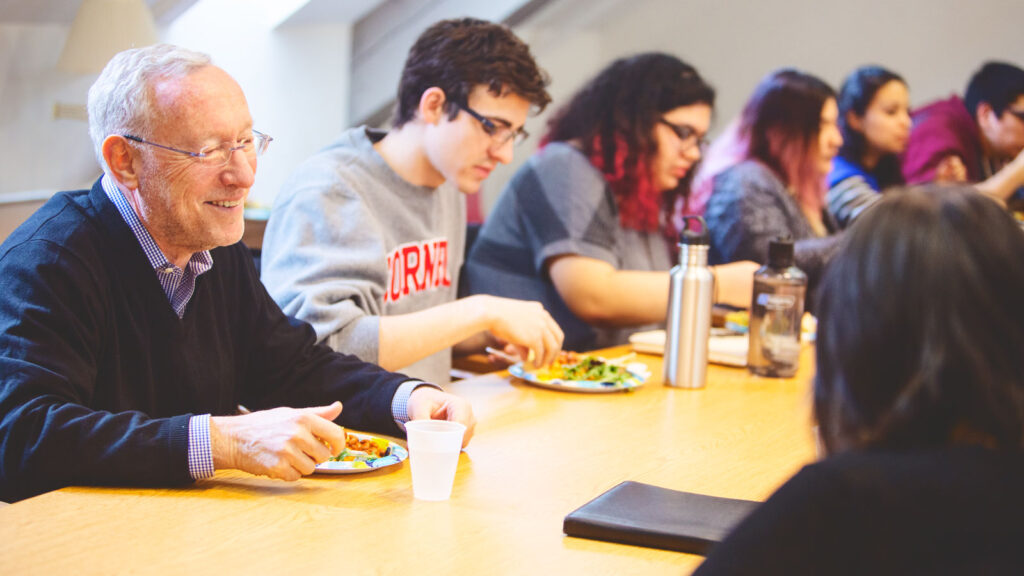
691,237
780,252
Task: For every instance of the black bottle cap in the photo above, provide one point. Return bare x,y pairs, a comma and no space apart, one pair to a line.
780,252
689,236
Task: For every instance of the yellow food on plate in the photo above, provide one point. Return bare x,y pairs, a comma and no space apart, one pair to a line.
359,449
738,318
375,447
582,367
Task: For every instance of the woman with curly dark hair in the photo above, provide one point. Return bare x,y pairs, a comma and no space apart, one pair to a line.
585,226
919,398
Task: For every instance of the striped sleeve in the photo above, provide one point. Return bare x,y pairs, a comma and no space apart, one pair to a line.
849,197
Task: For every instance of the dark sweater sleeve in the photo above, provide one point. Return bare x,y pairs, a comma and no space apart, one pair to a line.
746,211
800,529
743,214
287,368
52,332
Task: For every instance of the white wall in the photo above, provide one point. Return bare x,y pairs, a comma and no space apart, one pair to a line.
295,78
934,44
38,152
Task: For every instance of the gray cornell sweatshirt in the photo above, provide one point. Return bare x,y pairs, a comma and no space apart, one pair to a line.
349,241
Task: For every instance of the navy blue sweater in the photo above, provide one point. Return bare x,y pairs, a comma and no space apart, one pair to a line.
99,376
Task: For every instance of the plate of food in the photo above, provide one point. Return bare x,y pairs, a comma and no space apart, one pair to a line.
585,373
363,453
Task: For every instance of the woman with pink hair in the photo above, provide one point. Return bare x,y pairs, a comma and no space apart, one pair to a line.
787,136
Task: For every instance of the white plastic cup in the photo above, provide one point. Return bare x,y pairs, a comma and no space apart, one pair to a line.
434,447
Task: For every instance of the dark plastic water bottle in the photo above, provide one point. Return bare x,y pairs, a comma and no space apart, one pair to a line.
776,311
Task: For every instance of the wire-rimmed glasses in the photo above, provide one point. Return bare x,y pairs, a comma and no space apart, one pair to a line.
220,154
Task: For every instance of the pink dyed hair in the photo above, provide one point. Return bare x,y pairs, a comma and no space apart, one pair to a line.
779,127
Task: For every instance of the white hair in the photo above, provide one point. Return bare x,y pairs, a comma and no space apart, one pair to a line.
120,99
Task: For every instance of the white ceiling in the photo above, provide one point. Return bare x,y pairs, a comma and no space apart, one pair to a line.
63,11
320,11
165,11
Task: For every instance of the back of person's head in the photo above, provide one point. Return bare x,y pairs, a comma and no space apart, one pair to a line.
921,327
855,96
120,99
780,124
615,113
459,55
998,84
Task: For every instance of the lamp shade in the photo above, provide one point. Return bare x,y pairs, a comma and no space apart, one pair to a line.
103,28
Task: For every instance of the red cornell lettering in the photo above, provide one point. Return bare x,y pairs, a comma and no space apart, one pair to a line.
394,277
442,263
429,264
411,263
417,267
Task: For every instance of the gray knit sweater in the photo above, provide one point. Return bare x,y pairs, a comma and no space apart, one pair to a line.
349,241
749,207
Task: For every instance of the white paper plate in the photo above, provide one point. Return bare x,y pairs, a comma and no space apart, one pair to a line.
395,454
728,350
586,386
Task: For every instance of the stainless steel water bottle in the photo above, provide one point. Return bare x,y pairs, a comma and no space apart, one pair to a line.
688,323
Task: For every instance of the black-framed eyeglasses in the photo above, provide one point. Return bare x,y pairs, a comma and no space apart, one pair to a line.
220,154
688,136
499,133
1018,113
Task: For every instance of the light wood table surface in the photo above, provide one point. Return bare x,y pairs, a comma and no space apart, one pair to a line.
537,455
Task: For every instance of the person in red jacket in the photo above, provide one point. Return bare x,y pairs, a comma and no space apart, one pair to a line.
977,139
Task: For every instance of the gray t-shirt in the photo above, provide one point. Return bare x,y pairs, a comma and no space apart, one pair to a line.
349,241
558,204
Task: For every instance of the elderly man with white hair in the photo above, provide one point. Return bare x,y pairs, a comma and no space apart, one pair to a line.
133,321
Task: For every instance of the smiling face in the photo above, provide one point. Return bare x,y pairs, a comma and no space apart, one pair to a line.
461,151
829,136
886,121
186,205
675,157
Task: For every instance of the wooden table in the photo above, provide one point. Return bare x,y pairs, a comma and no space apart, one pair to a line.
537,455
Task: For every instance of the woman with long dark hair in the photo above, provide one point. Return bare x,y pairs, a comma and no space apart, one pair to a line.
874,117
787,136
919,398
584,227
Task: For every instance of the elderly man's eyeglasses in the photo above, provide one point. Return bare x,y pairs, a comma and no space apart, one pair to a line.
688,136
499,133
218,155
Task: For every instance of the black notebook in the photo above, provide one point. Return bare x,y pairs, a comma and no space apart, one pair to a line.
646,515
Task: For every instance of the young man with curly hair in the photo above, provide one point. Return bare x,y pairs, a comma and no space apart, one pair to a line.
367,237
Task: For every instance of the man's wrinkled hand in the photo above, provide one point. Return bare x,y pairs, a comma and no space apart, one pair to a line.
285,443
